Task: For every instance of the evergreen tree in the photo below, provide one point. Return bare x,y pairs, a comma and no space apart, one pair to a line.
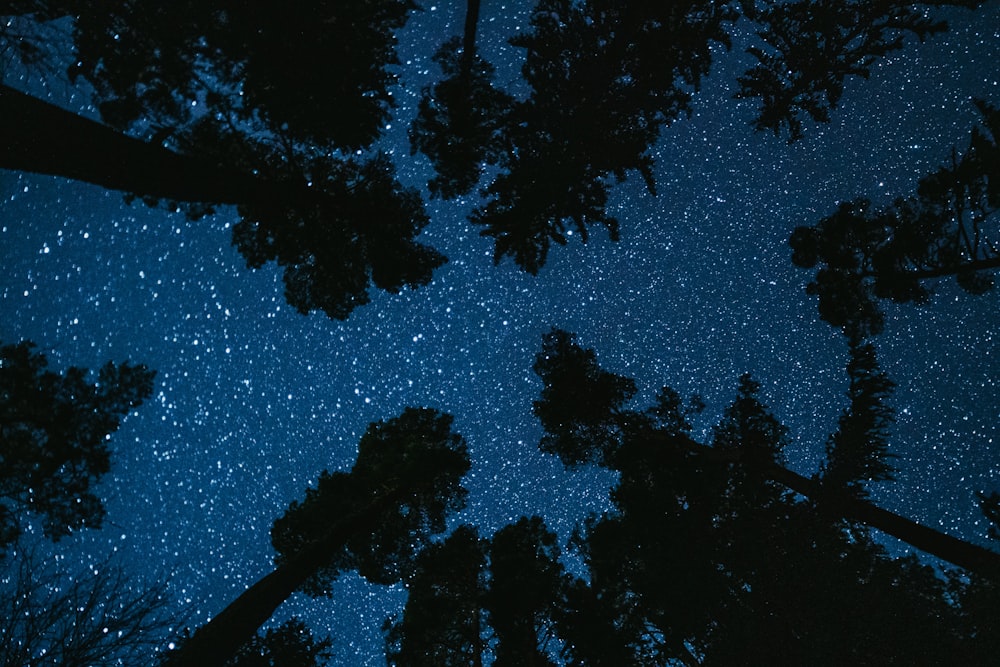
856,453
473,601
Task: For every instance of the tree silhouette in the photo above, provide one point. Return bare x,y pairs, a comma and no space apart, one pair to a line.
220,116
54,431
948,228
810,47
747,443
442,623
604,79
474,601
856,453
580,402
336,228
317,74
717,555
376,519
52,614
459,119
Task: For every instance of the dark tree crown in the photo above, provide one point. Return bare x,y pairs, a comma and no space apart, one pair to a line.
54,431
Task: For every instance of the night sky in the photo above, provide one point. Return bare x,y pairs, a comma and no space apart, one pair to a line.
253,400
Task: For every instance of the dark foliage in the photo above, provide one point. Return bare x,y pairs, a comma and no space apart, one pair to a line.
375,519
525,601
358,230
708,560
474,601
947,228
857,453
442,624
266,117
291,644
580,403
317,74
415,456
54,431
605,77
811,47
459,121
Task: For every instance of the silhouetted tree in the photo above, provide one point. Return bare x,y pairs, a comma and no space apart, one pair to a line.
810,47
459,121
222,116
707,559
580,403
315,73
748,443
97,615
337,227
604,77
459,118
474,601
947,228
54,432
442,624
712,556
376,519
526,600
857,453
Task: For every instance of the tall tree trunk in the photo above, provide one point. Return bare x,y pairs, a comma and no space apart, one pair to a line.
959,552
469,34
218,640
951,549
42,138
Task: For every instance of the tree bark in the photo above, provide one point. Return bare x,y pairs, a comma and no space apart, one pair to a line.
218,640
39,137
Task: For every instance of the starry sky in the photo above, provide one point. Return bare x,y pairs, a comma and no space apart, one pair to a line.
253,400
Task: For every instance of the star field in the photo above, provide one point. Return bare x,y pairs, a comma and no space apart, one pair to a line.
252,400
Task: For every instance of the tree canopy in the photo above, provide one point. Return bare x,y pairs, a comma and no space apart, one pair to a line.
715,550
947,228
376,520
270,118
54,431
708,557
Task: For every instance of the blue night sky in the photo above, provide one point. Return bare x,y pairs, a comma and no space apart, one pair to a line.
253,400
